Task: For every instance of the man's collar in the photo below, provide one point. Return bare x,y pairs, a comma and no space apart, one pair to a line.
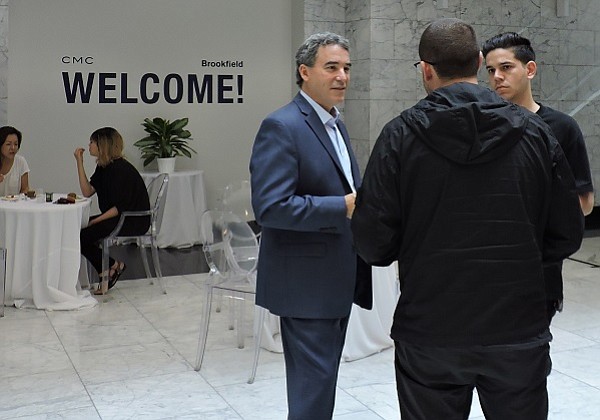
324,116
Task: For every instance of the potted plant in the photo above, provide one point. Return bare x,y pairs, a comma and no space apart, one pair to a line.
165,141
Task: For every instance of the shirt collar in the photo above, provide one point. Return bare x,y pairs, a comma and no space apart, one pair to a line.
324,116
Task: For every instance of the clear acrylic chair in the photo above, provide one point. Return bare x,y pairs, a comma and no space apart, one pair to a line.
231,251
237,198
157,191
2,279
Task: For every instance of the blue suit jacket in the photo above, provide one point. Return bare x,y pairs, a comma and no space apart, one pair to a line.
307,265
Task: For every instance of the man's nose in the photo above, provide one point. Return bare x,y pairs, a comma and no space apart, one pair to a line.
342,75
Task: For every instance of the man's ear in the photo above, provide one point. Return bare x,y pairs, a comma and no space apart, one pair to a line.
428,70
531,68
480,60
303,70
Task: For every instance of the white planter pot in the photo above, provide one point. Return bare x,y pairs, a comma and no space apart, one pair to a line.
166,165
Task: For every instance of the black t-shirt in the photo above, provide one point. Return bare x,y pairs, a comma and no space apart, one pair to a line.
120,185
570,138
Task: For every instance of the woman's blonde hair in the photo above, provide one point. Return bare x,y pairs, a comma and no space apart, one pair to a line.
110,145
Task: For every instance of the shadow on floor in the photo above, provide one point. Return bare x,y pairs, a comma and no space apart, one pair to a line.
173,261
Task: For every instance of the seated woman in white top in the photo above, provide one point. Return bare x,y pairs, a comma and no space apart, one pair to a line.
14,171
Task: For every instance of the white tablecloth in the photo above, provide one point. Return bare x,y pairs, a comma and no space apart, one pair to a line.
43,253
368,331
185,204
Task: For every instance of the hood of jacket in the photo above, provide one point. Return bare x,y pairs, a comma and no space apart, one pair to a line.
467,123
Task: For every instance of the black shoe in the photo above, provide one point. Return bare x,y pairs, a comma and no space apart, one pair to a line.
115,276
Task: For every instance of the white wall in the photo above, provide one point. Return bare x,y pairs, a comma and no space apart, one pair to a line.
137,37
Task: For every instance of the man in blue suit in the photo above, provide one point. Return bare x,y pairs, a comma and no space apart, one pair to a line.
304,178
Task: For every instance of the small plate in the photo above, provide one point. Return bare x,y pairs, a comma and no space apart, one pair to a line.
78,198
11,198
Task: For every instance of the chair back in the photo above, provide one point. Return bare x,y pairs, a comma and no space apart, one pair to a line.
212,224
237,198
241,246
231,250
157,192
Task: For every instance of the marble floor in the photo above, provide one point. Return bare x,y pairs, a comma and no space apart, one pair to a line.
131,357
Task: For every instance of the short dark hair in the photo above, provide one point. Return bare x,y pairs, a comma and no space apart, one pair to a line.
450,45
519,45
307,52
6,131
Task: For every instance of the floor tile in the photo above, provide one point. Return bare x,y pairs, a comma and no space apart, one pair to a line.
37,394
102,334
28,330
157,397
571,399
264,399
128,362
133,355
22,359
582,364
564,340
380,398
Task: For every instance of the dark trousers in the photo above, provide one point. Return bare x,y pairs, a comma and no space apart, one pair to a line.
553,306
438,383
91,237
312,350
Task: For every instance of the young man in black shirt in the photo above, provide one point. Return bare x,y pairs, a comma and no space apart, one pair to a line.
510,65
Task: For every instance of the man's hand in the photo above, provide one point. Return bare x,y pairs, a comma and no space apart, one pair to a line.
350,200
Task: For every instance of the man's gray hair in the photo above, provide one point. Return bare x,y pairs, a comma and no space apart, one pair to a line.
307,53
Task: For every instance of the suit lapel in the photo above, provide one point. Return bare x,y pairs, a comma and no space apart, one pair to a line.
315,123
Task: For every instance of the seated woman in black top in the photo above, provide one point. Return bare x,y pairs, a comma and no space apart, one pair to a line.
120,188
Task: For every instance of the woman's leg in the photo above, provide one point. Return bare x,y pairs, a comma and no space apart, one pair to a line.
90,238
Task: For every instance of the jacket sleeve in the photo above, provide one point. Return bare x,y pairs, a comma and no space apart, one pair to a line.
377,219
275,167
565,223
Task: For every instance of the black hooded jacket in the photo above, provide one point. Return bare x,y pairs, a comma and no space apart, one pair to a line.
471,194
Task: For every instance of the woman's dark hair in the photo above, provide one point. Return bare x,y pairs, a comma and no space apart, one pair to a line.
6,131
450,45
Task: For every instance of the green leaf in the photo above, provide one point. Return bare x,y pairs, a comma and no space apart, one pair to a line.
164,139
178,125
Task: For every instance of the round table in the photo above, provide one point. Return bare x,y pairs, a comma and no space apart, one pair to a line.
43,253
184,205
368,330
